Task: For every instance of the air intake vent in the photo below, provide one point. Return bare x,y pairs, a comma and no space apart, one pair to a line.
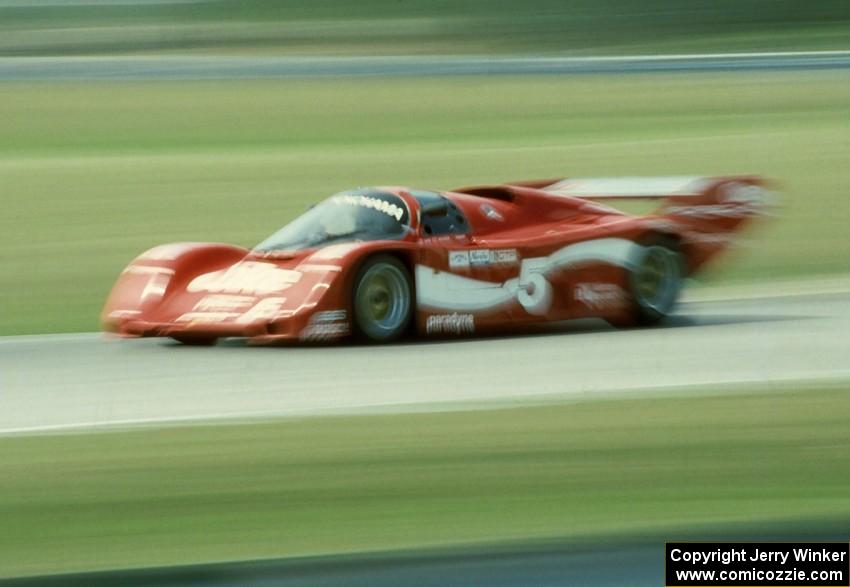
496,192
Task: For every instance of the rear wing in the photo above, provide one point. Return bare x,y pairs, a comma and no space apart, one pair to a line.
692,197
646,188
706,203
689,195
604,188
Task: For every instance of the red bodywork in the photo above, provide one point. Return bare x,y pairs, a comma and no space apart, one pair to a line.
535,251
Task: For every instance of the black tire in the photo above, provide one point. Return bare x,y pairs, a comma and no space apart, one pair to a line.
190,340
655,280
382,299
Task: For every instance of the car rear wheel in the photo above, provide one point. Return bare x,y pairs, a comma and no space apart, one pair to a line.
655,280
382,299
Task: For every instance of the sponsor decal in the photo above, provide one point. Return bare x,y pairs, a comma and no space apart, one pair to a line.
600,296
265,309
458,259
504,256
158,278
155,287
378,204
247,277
484,257
739,200
491,213
479,257
318,332
213,309
223,303
450,324
449,292
319,268
206,317
326,325
329,316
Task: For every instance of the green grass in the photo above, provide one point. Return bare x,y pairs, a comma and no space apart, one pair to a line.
425,26
593,470
93,174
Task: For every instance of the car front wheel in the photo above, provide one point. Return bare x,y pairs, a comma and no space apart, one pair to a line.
382,299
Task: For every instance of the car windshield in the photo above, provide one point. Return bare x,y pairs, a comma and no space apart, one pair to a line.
357,215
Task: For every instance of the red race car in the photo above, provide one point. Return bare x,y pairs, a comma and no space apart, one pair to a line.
382,262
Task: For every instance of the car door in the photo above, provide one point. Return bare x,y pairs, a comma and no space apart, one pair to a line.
462,284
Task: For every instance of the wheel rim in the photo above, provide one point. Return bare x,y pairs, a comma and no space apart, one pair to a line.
656,279
382,301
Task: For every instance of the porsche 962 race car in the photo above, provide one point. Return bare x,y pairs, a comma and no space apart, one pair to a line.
382,262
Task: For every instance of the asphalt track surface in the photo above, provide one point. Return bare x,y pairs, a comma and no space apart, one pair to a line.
251,67
69,381
612,566
636,563
78,381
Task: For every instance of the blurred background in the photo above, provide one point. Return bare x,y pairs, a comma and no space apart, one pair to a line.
130,123
381,27
109,146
